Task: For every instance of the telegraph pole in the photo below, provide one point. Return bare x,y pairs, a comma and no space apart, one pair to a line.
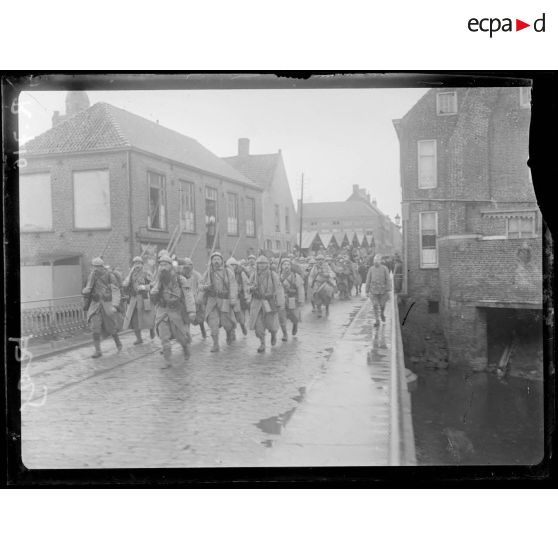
301,210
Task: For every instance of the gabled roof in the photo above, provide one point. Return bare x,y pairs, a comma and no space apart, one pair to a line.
104,126
258,168
339,210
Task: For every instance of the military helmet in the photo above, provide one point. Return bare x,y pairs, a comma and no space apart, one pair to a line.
137,259
251,257
216,254
97,262
320,257
165,259
187,261
262,259
232,261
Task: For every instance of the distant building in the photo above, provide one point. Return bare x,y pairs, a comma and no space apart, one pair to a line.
279,224
107,179
356,222
471,225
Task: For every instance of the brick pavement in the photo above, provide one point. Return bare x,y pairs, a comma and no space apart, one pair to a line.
217,410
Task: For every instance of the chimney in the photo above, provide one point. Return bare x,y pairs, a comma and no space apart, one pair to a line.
355,189
243,147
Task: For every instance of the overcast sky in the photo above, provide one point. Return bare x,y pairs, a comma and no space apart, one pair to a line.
337,137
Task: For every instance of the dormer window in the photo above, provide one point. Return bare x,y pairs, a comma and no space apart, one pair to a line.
446,103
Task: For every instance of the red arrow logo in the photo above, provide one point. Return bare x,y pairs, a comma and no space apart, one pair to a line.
519,25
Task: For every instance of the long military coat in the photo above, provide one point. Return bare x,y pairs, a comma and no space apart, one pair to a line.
266,285
221,291
138,284
105,299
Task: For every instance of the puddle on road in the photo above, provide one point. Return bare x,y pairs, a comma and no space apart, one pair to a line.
276,424
301,395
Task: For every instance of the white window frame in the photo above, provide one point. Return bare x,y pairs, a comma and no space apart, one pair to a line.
419,142
162,203
251,217
49,225
232,217
438,103
522,95
428,265
532,233
187,219
81,227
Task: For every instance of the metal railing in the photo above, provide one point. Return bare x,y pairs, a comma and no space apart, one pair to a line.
54,316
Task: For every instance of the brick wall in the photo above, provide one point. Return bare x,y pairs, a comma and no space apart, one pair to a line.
142,163
64,237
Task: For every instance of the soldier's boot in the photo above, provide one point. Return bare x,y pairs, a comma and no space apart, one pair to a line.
138,340
284,330
186,350
243,328
261,348
273,338
319,311
383,316
97,345
327,311
229,337
152,333
295,328
117,342
167,356
203,332
215,348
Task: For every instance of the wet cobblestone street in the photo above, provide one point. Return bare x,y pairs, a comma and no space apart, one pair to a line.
223,409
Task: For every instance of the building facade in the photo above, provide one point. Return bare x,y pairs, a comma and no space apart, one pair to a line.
106,181
471,226
355,221
279,222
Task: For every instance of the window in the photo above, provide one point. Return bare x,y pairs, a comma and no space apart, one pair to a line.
428,223
210,214
525,97
91,199
335,222
277,219
520,227
250,217
187,206
278,245
287,221
268,245
427,163
232,213
288,246
157,202
433,307
446,103
35,202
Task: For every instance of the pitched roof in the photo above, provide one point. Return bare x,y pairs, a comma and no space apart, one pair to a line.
339,210
258,168
104,126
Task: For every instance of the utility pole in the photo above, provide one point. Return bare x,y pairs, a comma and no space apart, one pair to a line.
301,210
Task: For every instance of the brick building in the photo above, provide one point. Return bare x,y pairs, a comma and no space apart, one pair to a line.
471,226
105,177
279,226
355,221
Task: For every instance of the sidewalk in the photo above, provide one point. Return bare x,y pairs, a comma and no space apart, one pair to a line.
344,420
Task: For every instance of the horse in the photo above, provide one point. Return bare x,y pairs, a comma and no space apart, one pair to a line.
322,296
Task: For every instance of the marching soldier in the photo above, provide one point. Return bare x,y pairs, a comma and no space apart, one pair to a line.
219,285
267,298
244,296
251,266
103,299
176,309
321,282
139,314
293,287
193,279
378,288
